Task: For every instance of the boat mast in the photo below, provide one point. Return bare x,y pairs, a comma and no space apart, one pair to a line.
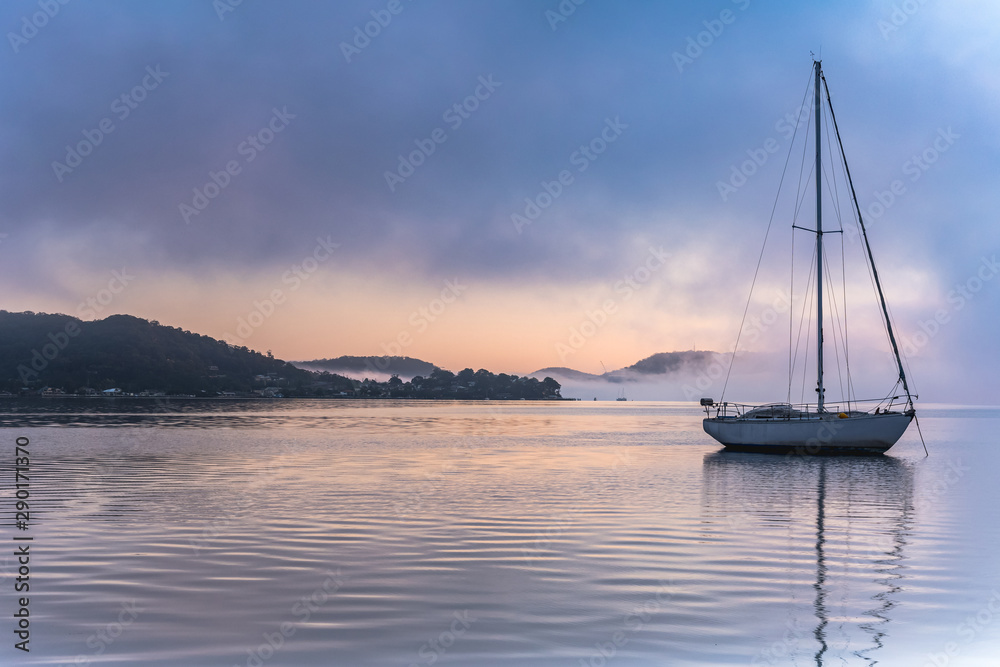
819,248
871,258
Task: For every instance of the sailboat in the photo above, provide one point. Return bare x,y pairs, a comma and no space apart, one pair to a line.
820,428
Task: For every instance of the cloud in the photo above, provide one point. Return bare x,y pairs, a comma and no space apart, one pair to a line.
324,174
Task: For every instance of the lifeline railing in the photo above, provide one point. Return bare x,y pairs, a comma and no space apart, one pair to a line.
798,411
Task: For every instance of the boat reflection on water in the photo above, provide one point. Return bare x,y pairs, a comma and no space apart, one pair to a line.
837,525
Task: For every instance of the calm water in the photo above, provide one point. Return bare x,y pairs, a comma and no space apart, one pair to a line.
394,533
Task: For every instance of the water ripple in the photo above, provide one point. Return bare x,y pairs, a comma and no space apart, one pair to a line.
519,535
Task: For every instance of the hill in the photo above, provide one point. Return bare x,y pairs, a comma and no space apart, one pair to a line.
405,367
40,350
54,354
662,363
671,362
567,374
669,376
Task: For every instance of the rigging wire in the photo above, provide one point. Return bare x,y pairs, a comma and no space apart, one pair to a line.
871,260
833,175
843,276
843,264
900,358
902,354
760,258
836,318
855,210
806,306
831,184
805,366
795,216
800,192
871,279
799,201
882,314
847,350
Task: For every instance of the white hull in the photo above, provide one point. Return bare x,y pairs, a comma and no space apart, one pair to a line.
860,433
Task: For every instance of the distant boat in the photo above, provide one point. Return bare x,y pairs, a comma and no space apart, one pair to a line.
621,395
819,428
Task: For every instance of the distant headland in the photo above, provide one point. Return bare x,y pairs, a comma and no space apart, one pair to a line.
56,355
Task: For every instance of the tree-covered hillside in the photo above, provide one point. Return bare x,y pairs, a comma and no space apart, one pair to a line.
40,350
407,367
47,353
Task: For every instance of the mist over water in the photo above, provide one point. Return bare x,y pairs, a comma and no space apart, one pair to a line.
488,533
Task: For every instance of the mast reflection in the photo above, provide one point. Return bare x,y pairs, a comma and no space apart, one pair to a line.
859,510
820,584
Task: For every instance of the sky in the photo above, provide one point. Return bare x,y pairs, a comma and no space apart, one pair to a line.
507,185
